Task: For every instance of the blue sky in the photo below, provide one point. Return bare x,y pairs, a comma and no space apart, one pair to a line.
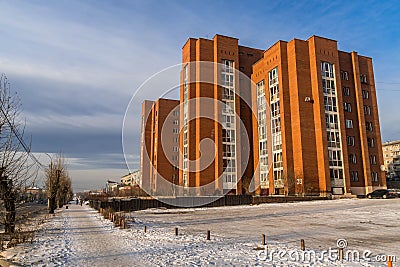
76,64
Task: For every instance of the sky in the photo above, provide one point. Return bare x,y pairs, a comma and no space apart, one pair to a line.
76,64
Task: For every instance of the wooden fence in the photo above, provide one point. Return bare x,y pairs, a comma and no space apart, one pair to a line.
134,204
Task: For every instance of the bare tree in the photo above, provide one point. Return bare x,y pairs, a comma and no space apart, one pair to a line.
64,193
58,183
15,168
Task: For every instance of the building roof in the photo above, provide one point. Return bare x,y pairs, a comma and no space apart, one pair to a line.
388,143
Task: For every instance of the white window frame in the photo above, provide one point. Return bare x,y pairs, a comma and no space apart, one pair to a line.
349,124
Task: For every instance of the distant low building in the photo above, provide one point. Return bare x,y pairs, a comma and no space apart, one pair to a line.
391,157
34,193
111,186
131,179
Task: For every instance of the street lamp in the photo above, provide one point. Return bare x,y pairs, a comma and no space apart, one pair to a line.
48,194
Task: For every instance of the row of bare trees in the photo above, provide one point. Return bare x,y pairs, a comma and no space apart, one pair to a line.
58,184
18,167
16,170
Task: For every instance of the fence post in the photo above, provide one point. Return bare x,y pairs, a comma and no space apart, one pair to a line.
303,245
176,231
263,239
208,235
341,254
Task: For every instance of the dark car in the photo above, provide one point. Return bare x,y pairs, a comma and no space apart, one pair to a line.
380,193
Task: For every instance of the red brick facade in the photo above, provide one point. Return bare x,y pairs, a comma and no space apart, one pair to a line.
199,128
159,150
303,118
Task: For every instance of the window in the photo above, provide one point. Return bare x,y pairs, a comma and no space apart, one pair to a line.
374,176
346,91
185,179
228,150
330,103
228,135
331,121
273,77
352,159
367,110
335,158
275,109
328,85
368,126
175,130
363,78
336,173
278,160
227,79
344,75
354,176
262,132
350,140
176,140
175,149
175,122
371,142
176,113
372,159
333,139
349,124
277,164
175,157
365,94
227,66
347,107
276,125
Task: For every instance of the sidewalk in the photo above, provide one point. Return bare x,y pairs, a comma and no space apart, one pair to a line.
76,237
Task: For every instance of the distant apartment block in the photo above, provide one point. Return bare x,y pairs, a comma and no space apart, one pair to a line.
159,146
391,156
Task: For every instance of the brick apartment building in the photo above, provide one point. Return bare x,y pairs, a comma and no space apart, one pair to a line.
309,110
159,146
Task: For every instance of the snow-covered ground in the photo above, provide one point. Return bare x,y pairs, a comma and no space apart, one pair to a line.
79,236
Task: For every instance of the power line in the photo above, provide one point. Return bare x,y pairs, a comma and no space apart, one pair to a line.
21,141
389,82
385,89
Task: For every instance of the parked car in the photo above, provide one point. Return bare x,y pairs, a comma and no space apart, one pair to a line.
380,193
394,192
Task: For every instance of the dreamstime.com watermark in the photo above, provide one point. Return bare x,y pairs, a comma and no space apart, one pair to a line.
309,256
